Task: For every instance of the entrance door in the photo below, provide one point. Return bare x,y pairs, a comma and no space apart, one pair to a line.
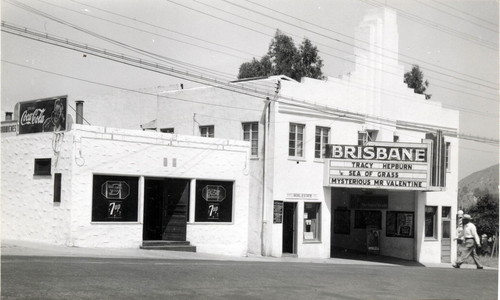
289,212
446,234
165,209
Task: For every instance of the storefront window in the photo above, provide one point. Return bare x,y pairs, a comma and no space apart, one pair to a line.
115,198
311,221
214,201
399,224
430,221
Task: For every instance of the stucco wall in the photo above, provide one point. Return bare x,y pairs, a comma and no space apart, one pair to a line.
29,213
28,209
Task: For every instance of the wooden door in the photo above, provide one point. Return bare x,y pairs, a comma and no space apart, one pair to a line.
175,210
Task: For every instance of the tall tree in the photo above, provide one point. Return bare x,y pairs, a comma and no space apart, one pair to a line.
485,214
309,63
415,80
283,58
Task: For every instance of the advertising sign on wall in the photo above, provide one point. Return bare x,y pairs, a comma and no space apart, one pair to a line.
44,115
403,166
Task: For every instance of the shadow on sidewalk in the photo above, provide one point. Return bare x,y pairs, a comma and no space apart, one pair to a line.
372,257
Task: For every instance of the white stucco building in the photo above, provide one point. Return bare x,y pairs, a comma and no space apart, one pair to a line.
293,192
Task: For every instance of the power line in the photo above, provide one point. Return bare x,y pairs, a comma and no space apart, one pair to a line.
162,57
184,75
128,89
461,136
465,13
448,13
371,67
350,44
134,49
170,71
436,26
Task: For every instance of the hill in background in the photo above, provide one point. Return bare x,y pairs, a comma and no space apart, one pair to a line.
476,184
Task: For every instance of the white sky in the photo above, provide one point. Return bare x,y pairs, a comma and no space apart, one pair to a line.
454,42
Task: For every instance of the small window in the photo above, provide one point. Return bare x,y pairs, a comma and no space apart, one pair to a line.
366,136
430,222
251,134
395,138
320,142
57,187
296,140
207,131
42,166
312,221
447,156
167,130
446,221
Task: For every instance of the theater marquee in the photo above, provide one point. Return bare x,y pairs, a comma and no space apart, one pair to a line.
401,166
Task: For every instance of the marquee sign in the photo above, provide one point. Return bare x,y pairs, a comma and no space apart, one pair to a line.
402,166
44,115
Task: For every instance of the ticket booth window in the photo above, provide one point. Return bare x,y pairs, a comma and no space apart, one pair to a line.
312,221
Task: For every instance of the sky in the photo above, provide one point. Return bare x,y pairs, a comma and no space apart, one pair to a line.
455,43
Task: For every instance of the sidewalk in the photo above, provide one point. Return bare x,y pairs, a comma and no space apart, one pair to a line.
24,248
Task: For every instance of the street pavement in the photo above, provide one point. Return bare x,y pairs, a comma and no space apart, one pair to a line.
25,248
40,271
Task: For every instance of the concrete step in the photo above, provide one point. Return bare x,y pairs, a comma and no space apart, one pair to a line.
168,246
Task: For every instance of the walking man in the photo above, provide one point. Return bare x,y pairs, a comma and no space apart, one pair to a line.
471,240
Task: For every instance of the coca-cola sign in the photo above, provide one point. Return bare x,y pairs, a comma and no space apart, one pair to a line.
44,115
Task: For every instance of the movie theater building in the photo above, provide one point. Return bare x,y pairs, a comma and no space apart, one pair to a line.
357,163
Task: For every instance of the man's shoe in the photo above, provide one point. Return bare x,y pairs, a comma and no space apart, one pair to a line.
480,267
457,266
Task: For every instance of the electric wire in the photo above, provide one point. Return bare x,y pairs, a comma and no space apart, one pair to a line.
112,41
353,45
378,69
453,15
436,26
465,13
160,69
74,26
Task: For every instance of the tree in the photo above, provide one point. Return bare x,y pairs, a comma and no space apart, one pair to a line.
255,68
485,214
415,80
283,58
309,63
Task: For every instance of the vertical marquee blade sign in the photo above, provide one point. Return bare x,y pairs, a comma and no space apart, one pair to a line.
43,115
400,166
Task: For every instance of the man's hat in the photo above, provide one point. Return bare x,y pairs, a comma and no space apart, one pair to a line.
467,217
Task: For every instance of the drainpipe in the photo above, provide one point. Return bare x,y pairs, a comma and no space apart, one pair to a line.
264,184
